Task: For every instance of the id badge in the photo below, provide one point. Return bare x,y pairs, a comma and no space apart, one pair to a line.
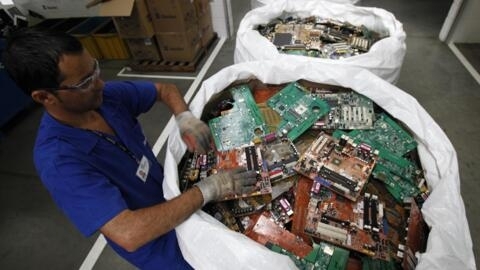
143,168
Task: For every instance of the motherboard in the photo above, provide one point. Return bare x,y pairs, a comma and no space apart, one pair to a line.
197,167
340,165
353,225
298,109
319,37
239,125
348,110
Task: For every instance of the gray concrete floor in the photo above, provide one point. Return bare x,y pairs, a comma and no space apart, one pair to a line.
35,235
471,51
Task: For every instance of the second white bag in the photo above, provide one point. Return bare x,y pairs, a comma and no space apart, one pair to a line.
385,57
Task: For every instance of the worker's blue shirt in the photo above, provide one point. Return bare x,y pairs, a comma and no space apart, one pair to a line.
92,180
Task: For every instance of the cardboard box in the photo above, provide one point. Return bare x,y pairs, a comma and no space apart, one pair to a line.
137,25
205,23
109,42
205,18
206,35
172,15
201,7
84,33
75,8
179,46
143,48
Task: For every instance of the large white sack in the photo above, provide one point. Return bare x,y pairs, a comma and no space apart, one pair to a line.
384,58
207,244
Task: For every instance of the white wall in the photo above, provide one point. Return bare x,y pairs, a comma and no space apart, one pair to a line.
466,28
220,18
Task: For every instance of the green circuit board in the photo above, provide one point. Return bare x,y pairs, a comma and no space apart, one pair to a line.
302,52
374,264
298,109
391,161
241,124
348,110
399,174
386,134
398,186
323,257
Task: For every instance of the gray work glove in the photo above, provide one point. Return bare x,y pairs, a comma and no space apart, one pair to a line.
217,186
195,133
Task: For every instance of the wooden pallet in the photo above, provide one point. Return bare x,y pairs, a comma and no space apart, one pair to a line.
172,66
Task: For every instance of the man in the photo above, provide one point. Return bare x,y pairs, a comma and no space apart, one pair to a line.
92,156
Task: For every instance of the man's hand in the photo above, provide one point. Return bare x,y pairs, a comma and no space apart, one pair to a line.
195,133
217,186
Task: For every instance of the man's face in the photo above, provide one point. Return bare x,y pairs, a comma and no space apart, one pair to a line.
81,88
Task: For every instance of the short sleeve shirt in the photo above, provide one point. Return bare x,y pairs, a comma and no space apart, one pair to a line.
92,179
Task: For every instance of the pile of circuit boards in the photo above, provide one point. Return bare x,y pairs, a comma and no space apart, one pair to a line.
319,37
340,185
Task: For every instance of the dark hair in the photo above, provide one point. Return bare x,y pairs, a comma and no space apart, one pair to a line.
31,57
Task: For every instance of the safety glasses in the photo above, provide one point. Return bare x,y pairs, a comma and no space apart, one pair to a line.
85,84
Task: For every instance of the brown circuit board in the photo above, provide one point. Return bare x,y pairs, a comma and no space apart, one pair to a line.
338,164
271,157
261,93
265,230
300,209
416,240
199,166
395,218
354,225
248,157
281,208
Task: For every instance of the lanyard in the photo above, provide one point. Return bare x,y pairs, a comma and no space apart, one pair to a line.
117,144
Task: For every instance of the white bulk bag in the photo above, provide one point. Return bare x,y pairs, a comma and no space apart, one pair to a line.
207,244
384,58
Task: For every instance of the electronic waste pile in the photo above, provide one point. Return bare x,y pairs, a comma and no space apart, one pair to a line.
323,32
318,37
339,184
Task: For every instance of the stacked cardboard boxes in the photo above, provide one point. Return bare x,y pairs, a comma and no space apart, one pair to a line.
173,30
176,29
137,32
205,26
